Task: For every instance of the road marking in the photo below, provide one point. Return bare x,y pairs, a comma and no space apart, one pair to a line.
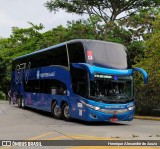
87,136
78,136
40,136
6,147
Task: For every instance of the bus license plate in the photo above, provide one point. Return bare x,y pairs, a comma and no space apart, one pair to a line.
113,119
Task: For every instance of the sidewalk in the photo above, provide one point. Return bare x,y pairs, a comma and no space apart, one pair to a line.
147,118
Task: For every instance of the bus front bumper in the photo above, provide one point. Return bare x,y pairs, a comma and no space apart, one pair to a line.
95,115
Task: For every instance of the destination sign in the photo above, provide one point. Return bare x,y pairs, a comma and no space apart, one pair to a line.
102,76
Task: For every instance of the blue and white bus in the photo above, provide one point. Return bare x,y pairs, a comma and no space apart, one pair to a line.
90,80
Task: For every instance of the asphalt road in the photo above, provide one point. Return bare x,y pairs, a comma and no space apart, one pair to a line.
19,124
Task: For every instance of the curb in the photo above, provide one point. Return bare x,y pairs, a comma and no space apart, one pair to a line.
147,118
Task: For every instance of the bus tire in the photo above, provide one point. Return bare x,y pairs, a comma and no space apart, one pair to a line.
19,102
23,103
65,112
55,110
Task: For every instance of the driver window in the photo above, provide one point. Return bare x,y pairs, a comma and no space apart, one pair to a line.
79,81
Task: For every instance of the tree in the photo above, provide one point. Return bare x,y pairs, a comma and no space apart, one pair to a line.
148,97
3,77
140,24
81,29
53,36
107,10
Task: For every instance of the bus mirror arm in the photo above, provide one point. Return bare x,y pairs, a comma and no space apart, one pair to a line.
143,72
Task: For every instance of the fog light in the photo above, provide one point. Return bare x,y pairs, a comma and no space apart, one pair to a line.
93,116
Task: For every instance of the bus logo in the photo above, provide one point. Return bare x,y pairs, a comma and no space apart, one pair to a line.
44,75
22,72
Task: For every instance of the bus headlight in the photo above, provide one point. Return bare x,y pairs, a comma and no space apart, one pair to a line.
96,108
131,108
90,106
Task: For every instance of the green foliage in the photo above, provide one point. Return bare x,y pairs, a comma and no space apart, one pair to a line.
140,23
2,96
107,10
136,51
52,37
148,97
81,29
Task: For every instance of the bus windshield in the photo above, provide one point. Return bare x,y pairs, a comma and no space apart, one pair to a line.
111,89
104,54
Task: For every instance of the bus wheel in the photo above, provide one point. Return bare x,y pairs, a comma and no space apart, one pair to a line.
19,102
65,112
56,111
22,103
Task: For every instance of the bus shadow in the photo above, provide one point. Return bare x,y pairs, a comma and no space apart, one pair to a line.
98,123
40,112
76,121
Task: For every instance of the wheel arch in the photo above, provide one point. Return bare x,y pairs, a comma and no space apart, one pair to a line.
53,100
63,102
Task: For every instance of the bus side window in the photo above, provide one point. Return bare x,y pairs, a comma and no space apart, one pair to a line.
58,88
54,90
76,53
32,86
62,90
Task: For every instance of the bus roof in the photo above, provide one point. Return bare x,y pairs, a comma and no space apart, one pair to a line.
85,42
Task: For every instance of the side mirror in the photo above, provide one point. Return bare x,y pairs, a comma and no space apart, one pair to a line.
144,73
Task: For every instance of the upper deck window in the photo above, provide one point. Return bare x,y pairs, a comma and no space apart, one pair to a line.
76,53
54,56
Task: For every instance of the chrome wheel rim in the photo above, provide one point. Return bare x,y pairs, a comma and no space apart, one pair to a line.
66,111
56,111
19,101
22,102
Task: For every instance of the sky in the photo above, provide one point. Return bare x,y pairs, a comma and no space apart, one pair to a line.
19,12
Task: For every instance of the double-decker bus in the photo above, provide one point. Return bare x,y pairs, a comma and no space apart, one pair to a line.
90,80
